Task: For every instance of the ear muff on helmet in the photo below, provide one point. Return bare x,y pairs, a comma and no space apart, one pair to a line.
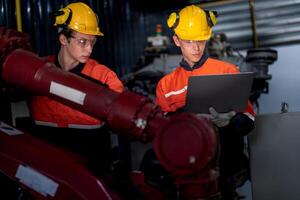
62,17
211,17
174,18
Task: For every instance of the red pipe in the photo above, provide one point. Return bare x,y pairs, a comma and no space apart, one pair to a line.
48,172
184,144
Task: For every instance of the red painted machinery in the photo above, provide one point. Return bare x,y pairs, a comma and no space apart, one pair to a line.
185,145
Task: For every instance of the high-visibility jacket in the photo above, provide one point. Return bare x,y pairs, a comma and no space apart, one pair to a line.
49,112
171,90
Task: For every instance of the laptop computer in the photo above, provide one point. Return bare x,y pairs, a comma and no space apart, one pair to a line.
224,92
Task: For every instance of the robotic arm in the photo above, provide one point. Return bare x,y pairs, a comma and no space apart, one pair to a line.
185,145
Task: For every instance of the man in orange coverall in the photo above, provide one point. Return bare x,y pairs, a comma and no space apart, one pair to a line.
60,124
192,28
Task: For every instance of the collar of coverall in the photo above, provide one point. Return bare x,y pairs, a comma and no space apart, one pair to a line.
76,70
197,65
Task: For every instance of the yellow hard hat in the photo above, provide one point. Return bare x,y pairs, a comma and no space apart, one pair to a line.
79,17
192,23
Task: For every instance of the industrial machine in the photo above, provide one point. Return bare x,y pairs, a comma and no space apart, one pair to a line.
186,146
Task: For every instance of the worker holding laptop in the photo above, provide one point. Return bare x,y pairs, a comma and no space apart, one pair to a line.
192,28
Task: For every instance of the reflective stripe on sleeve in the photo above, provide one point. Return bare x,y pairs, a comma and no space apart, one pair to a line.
250,116
78,126
81,126
45,123
176,92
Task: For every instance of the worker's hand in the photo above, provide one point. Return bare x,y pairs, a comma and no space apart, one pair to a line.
219,119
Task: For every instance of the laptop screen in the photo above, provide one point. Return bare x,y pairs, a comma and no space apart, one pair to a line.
224,92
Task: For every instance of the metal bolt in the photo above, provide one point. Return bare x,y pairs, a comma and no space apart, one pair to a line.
192,159
140,123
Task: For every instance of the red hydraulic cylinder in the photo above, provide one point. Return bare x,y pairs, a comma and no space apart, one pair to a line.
184,144
122,112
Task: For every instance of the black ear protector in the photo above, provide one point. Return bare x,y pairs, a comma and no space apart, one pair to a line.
62,17
211,17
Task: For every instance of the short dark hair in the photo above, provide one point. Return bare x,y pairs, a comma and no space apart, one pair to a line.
66,31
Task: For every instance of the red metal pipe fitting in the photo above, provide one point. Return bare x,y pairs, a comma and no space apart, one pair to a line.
184,144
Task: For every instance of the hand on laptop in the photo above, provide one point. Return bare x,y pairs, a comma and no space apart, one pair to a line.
219,119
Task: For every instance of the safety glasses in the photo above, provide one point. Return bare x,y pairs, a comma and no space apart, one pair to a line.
191,43
83,43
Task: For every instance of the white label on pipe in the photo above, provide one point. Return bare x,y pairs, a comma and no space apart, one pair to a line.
36,181
67,92
9,130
